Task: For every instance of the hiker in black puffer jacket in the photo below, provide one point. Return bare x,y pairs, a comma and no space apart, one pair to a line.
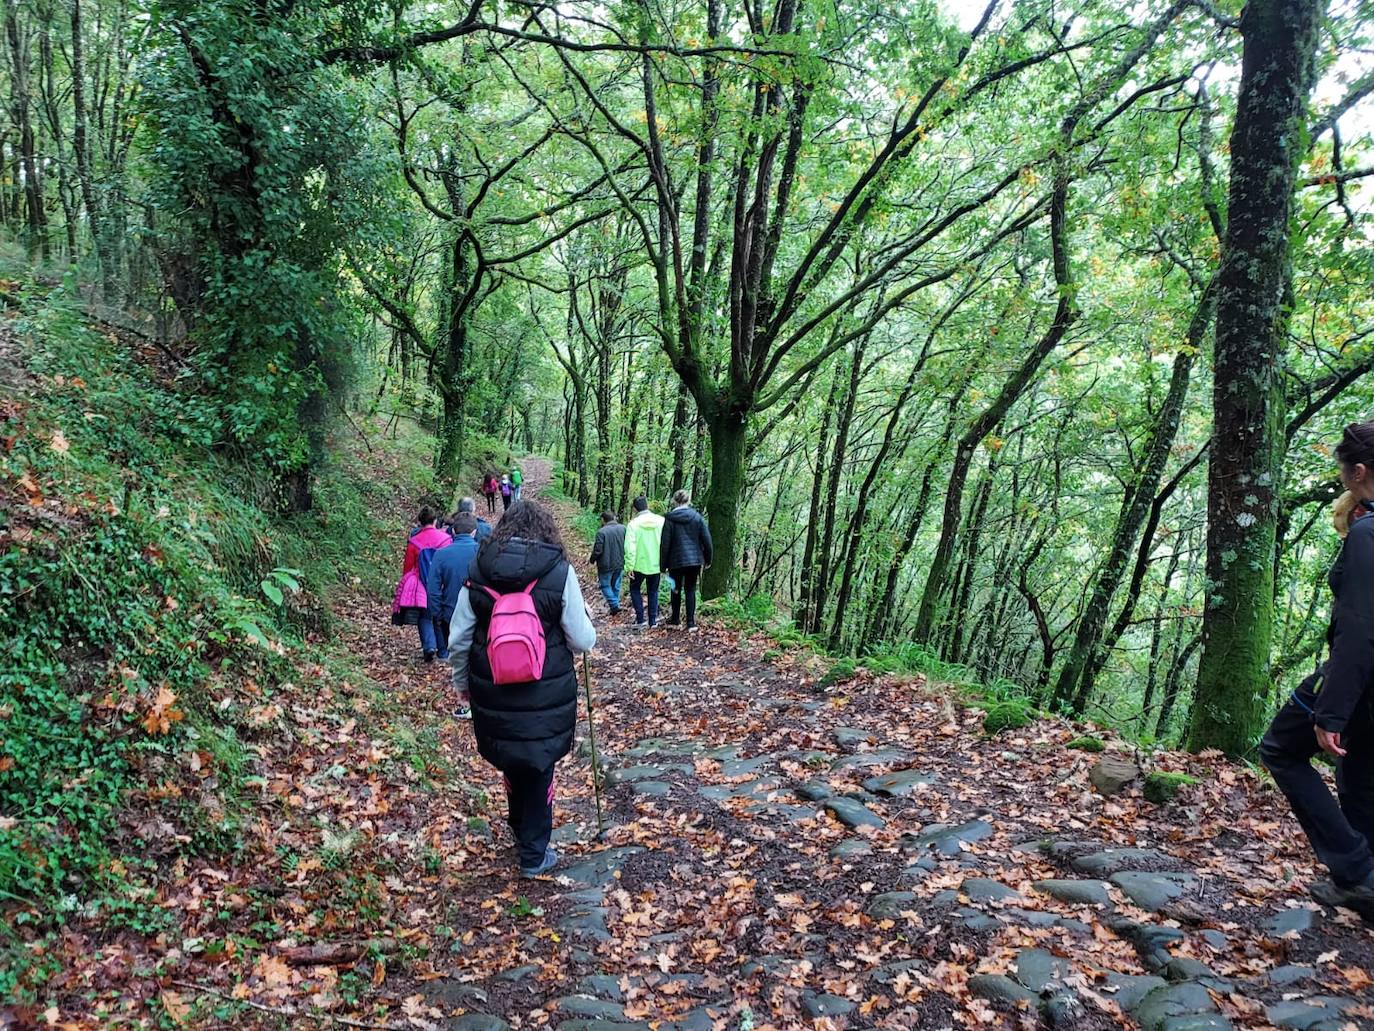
523,729
684,549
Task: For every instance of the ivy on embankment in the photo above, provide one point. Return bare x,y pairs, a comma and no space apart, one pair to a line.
150,606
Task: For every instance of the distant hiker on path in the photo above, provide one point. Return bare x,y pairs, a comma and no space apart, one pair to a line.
410,606
448,569
483,527
507,491
683,550
642,537
513,663
608,555
1332,710
491,486
517,480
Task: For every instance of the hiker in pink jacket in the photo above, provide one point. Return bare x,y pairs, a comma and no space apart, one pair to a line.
411,605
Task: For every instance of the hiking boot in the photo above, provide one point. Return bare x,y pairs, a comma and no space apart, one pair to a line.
463,712
1358,897
429,656
693,628
550,861
641,625
614,612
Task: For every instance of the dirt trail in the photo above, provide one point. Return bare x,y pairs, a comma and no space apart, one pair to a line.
790,853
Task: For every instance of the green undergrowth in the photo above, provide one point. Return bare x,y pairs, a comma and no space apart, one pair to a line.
1007,705
153,611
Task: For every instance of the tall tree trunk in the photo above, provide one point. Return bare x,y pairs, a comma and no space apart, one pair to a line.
729,460
813,518
1156,638
37,222
1076,677
1064,316
81,148
826,543
677,440
1277,73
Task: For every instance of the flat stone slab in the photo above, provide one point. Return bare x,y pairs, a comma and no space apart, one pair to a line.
1114,860
1289,920
477,1022
948,840
890,904
815,791
1153,891
1038,969
900,783
1076,893
600,868
601,986
985,889
518,973
740,767
643,771
852,813
586,1006
871,760
669,746
826,1005
850,738
588,921
999,988
1158,1008
1290,974
1129,989
1306,1013
851,848
651,788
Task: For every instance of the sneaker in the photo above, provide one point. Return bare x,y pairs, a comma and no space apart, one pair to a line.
1358,897
550,861
693,628
640,625
429,656
463,712
615,612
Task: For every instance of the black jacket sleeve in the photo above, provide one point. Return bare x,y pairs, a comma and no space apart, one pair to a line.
665,545
1350,669
597,545
706,545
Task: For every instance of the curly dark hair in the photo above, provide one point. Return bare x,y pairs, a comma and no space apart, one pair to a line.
528,520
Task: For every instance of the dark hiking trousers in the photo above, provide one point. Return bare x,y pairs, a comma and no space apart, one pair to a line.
640,582
529,811
686,583
1340,833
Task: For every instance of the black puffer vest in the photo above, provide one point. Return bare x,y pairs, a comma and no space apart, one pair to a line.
522,726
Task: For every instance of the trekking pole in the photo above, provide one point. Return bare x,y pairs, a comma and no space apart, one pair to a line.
591,737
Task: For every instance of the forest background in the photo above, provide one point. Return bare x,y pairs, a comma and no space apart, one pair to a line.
933,308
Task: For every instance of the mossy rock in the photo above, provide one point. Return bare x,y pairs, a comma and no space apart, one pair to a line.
1087,743
1162,787
1006,715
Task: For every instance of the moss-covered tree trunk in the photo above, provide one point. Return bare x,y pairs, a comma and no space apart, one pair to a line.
729,458
1267,142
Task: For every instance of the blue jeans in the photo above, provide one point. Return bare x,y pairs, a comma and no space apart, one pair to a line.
515,491
650,582
610,587
428,640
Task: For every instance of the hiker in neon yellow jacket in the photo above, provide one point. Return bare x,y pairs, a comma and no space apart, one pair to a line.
642,535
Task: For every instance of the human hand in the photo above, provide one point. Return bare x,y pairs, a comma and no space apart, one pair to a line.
1330,742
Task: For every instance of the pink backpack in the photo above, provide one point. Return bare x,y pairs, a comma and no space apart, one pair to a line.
515,638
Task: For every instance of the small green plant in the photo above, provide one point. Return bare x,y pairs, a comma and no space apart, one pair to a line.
1161,787
524,908
279,580
1087,743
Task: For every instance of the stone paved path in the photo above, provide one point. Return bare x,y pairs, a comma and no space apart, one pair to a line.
790,853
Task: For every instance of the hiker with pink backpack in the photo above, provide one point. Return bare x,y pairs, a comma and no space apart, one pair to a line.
517,624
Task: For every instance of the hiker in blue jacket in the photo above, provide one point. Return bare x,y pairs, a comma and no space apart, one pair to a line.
447,572
1332,710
